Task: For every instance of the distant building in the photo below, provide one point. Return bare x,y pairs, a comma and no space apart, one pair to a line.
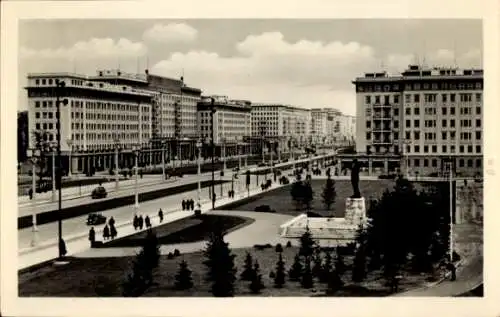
423,119
23,136
232,124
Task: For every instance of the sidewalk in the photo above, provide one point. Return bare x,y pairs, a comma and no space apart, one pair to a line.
78,242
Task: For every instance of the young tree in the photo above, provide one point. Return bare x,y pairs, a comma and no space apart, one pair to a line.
183,280
307,277
296,192
307,244
246,275
142,270
329,193
279,278
326,268
307,195
317,265
295,271
256,284
220,264
334,283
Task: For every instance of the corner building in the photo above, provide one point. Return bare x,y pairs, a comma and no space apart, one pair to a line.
420,120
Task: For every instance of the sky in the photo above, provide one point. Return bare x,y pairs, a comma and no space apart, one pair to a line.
305,63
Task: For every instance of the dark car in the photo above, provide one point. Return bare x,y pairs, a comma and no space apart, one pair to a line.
99,192
95,219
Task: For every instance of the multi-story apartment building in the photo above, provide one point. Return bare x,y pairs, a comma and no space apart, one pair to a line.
345,129
427,117
231,124
323,125
283,124
174,111
96,116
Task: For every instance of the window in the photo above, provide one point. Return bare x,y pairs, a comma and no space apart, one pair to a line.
396,124
416,98
452,149
478,135
416,135
452,123
452,111
368,100
478,110
478,148
444,97
426,162
416,123
417,163
37,104
44,81
426,148
37,81
416,149
444,110
368,124
478,123
408,123
51,126
50,81
478,97
430,98
443,148
452,135
452,97
478,163
461,162
434,148
37,115
386,100
396,98
462,150
368,136
443,135
443,123
396,112
416,111
407,98
408,111
51,114
377,99
407,135
434,163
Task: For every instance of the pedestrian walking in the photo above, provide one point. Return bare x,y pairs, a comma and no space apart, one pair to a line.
92,237
111,221
30,192
192,204
183,204
136,222
148,222
113,232
214,197
105,233
160,215
141,222
62,247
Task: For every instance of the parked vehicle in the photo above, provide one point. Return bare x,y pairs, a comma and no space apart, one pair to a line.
99,192
94,219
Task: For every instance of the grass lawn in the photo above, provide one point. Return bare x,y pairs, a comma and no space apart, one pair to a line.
190,229
88,277
281,200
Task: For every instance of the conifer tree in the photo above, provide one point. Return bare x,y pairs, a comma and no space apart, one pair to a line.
246,275
307,277
279,278
256,284
295,271
326,268
307,244
183,280
317,265
220,264
329,193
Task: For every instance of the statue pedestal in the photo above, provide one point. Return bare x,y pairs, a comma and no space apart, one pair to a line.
355,210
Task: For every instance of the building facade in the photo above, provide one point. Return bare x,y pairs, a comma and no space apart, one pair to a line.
97,114
429,118
286,125
231,124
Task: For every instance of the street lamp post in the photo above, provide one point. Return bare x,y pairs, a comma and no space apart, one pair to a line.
198,146
54,196
59,90
34,154
70,147
117,168
136,150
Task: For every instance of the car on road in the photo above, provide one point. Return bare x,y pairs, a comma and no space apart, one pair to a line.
94,219
261,164
99,192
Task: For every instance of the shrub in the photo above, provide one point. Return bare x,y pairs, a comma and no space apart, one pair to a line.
170,255
272,274
279,248
183,280
177,252
197,213
262,246
256,284
289,244
263,208
246,275
295,271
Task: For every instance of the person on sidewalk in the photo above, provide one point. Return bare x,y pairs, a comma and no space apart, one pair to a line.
111,222
92,237
136,222
160,215
105,233
113,232
214,197
183,204
30,192
62,247
192,204
141,222
148,222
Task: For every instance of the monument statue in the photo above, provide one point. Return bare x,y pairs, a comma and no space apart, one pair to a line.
355,179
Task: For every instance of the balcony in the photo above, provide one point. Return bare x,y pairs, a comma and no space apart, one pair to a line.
381,141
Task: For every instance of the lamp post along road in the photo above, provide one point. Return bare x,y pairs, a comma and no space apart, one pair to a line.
34,154
136,151
198,146
117,169
54,196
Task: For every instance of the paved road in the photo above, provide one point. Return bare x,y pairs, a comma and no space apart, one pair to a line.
79,241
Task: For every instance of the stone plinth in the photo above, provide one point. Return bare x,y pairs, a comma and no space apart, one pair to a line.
355,210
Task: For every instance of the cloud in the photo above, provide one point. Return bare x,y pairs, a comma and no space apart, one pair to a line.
170,33
94,48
